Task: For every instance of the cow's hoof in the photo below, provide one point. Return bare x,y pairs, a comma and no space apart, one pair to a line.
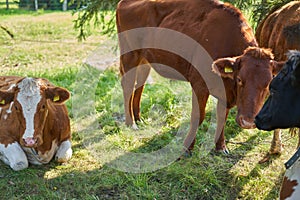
186,154
19,166
134,127
64,152
64,157
268,157
265,159
226,151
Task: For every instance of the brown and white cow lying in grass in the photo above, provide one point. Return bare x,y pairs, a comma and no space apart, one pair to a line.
34,122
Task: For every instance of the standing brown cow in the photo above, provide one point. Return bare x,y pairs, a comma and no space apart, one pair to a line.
245,69
280,30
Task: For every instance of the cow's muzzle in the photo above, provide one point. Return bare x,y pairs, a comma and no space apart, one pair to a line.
263,122
30,142
245,123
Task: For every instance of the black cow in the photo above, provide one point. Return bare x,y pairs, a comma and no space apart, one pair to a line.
282,108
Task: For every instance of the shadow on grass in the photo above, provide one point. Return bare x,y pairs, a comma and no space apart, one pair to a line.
198,177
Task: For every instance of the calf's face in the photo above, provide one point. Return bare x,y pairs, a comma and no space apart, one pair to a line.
282,108
30,102
252,73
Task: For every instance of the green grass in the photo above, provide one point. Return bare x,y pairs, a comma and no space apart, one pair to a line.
45,45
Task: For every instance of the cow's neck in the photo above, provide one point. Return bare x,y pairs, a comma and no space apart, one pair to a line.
48,132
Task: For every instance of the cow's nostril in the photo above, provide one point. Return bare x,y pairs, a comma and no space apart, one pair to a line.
29,141
245,123
262,118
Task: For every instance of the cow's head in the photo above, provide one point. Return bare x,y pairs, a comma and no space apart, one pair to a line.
29,102
252,73
282,108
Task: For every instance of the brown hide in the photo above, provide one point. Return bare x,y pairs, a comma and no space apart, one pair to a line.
51,121
210,23
221,30
287,188
280,30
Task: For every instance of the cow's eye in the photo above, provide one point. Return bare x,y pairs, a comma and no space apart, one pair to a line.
43,107
239,81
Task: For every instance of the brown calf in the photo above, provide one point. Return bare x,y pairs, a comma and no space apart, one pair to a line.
34,122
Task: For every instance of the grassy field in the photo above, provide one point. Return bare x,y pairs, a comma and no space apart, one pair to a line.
111,161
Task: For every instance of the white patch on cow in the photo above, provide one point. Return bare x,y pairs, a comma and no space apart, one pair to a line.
64,152
8,111
37,158
29,97
5,117
0,110
293,173
14,156
12,86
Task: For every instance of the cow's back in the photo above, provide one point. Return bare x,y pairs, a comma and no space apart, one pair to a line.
280,30
219,28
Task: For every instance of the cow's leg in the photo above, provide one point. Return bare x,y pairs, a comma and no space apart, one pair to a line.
64,152
128,82
222,113
199,100
294,132
141,77
276,145
14,156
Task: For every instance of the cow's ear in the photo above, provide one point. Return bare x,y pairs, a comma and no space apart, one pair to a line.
225,67
276,66
6,97
57,94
